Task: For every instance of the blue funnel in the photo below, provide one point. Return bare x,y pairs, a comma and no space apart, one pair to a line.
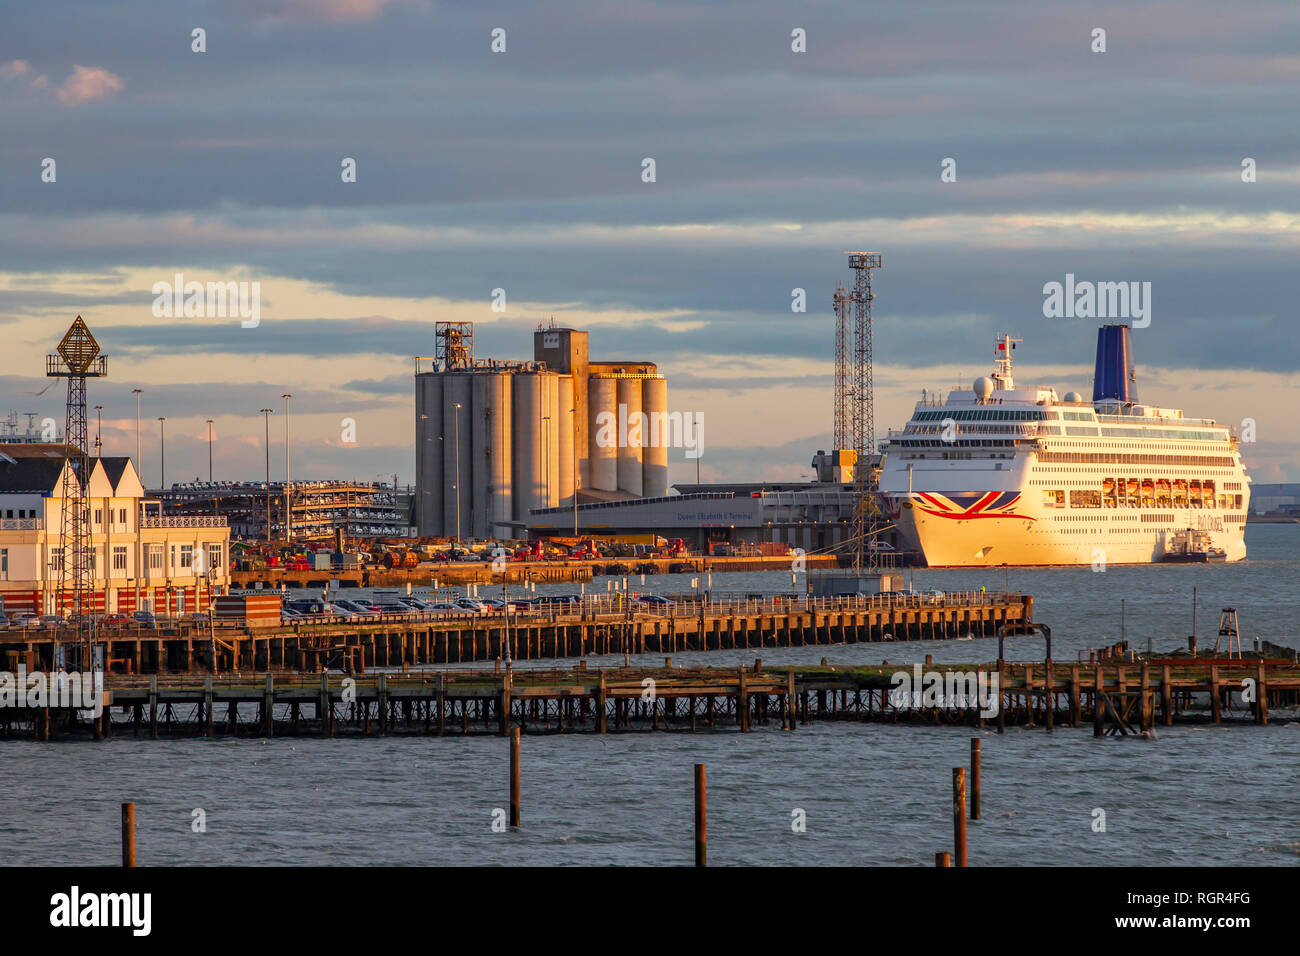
1114,378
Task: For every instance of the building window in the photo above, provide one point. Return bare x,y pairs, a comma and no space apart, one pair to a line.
155,557
214,558
121,516
99,516
119,559
187,555
56,561
4,564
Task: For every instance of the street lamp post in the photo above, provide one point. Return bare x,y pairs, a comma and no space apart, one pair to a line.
457,485
137,430
162,448
209,450
266,419
288,484
99,430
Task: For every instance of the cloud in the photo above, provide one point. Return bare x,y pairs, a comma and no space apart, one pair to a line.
311,11
88,83
14,68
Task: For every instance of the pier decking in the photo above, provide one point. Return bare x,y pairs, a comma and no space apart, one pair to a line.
1115,697
411,640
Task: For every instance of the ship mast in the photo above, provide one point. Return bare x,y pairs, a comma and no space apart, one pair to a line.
1002,355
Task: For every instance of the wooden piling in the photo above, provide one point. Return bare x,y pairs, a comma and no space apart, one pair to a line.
701,818
514,777
1166,696
1097,714
1215,694
974,778
943,859
128,834
959,814
1261,695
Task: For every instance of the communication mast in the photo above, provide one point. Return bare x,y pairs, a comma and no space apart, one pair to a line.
842,302
78,359
866,513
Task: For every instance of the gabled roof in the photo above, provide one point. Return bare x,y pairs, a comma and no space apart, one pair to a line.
35,449
31,476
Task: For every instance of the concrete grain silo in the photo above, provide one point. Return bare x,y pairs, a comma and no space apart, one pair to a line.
565,457
428,454
492,466
630,460
602,397
529,471
457,505
654,403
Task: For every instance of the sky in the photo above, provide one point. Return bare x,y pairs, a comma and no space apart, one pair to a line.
524,170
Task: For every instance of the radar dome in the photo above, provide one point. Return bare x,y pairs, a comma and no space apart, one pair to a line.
983,388
1073,397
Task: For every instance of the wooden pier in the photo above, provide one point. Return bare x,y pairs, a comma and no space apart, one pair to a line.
431,639
1115,698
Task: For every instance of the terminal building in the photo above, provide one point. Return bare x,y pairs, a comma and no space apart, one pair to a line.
498,439
141,558
816,516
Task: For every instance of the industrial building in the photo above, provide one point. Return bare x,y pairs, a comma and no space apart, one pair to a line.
498,439
320,509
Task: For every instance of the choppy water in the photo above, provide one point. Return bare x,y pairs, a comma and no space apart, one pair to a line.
872,793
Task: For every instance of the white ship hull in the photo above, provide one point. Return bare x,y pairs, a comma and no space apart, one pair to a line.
1037,539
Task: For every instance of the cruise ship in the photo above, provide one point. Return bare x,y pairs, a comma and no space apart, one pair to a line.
1000,475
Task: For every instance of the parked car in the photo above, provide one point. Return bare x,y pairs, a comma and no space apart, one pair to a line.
198,618
24,619
416,604
116,620
883,547
656,599
144,619
355,607
4,621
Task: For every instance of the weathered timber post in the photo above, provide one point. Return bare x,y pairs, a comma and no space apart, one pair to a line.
1261,695
1098,684
514,777
975,778
268,701
701,818
959,814
207,705
128,834
153,705
943,859
600,705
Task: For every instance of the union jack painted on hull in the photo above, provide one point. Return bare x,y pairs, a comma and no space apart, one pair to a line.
963,506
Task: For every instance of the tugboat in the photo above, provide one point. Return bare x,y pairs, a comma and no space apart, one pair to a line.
1192,547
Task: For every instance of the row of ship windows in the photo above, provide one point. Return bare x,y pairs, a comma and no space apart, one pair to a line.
1143,493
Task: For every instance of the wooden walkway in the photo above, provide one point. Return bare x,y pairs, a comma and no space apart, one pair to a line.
416,641
1114,697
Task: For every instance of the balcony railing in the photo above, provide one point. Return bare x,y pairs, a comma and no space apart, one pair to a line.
21,524
183,521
